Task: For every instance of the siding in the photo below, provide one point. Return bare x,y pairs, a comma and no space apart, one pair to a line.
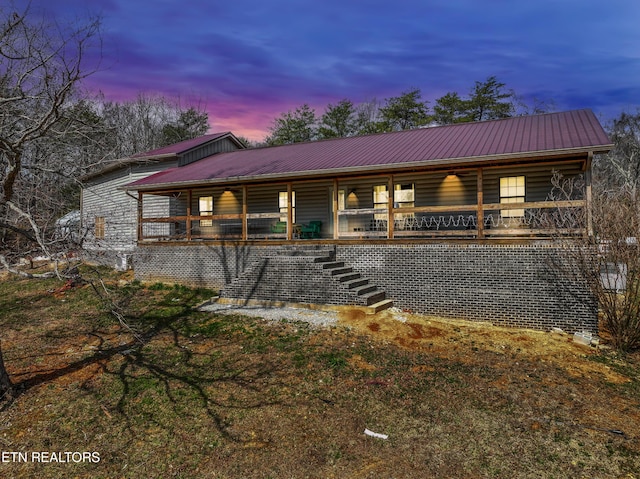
537,180
102,198
223,145
314,203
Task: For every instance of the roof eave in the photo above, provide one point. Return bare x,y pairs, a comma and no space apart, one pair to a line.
136,160
444,163
126,162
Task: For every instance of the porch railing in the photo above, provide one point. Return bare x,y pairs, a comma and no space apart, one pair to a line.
542,218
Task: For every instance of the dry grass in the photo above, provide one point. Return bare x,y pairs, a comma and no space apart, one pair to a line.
235,397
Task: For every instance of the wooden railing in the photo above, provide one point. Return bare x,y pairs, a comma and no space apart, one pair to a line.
541,218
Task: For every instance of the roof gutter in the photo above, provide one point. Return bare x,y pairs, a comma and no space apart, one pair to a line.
448,162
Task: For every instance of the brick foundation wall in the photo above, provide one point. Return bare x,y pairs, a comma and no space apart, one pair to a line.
293,279
506,284
511,285
207,265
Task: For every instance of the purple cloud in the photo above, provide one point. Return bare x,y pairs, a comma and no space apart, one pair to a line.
249,61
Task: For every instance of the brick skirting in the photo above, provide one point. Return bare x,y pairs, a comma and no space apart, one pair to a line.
509,285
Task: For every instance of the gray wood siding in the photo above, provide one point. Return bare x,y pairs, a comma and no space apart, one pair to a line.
102,198
222,145
441,189
537,180
224,203
314,203
264,199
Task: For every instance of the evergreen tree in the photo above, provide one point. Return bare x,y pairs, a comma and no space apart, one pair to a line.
449,109
489,100
404,112
190,124
338,121
294,127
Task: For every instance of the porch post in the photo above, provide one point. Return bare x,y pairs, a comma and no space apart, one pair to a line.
189,199
245,226
139,216
335,209
480,213
588,194
390,215
289,212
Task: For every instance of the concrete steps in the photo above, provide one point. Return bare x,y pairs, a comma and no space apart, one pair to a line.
367,293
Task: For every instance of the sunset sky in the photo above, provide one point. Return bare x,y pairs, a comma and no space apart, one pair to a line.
247,61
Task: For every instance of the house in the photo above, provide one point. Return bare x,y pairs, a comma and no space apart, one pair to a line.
109,214
453,221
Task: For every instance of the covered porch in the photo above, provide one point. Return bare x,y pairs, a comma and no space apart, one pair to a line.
475,203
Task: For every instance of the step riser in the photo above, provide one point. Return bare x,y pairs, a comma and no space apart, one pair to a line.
357,284
381,306
324,260
341,271
362,290
343,278
374,297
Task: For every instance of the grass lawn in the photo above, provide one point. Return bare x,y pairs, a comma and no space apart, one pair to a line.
215,396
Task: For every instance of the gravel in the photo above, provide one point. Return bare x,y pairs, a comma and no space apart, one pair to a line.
313,317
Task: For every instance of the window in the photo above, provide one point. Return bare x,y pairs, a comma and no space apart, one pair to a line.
99,227
512,190
404,197
205,207
342,200
380,200
282,205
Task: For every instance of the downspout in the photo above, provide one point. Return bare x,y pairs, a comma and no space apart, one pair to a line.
138,200
81,209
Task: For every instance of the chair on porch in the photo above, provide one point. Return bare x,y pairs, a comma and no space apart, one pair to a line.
279,227
312,230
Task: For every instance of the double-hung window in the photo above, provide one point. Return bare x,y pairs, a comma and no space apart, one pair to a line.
380,200
404,197
283,201
205,205
512,190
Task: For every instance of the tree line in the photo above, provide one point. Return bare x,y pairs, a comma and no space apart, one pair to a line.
486,100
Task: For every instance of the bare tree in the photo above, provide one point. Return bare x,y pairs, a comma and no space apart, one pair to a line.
42,65
608,261
146,123
620,168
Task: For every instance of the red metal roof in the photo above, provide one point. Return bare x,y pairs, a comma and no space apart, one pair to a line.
181,147
465,142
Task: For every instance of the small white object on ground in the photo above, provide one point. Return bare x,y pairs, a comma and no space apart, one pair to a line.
375,434
584,337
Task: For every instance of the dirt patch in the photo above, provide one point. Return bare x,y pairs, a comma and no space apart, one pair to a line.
351,315
448,338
